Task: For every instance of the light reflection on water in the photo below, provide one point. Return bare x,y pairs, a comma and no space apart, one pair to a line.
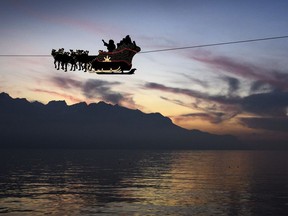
74,182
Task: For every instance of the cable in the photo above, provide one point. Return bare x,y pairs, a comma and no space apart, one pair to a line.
170,49
24,55
215,44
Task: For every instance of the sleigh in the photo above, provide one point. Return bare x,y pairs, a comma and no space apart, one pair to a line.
117,62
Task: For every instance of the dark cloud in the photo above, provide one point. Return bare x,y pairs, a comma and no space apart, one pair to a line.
99,88
276,79
260,86
266,104
115,98
219,108
94,89
270,123
214,109
224,99
233,84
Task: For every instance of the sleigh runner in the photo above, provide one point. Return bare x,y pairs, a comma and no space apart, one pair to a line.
118,61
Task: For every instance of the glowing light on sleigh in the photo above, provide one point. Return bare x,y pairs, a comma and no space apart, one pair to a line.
115,61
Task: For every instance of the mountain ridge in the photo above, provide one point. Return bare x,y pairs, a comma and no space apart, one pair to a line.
96,125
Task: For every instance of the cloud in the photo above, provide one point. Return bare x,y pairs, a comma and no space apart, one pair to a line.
269,123
192,116
215,108
266,104
246,70
202,83
223,99
233,84
176,101
95,89
260,86
66,83
157,86
212,117
219,108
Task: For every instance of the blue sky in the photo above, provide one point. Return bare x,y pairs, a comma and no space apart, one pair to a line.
239,89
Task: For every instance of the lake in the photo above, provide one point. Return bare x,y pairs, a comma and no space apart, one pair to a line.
120,182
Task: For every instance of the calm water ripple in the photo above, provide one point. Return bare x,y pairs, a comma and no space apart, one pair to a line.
71,182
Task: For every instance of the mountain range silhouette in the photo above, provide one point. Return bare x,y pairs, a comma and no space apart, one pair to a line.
100,125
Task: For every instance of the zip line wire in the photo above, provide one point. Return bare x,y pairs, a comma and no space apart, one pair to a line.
169,49
24,55
216,44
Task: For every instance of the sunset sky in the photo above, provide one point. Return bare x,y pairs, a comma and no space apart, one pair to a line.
239,89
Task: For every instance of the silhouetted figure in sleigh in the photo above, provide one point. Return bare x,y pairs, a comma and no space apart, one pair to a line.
115,61
110,46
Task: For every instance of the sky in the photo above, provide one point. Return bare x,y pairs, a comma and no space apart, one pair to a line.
239,89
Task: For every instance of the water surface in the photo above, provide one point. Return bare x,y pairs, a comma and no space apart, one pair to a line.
107,182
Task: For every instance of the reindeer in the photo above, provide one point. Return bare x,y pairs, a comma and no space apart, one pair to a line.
57,55
79,58
73,60
65,60
85,60
82,59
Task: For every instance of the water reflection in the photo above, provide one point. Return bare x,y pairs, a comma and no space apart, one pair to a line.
143,182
